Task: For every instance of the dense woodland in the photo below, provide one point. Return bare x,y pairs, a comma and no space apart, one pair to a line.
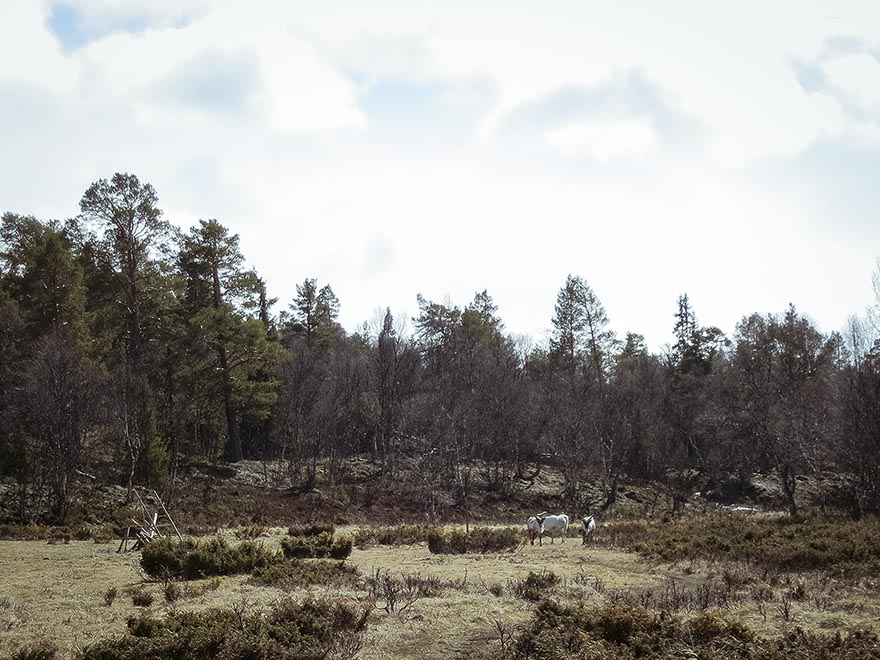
130,349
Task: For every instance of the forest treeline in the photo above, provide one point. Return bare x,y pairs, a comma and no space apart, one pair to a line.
130,348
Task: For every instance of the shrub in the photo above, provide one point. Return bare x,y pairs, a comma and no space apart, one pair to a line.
97,533
534,586
313,529
103,534
454,542
399,535
399,594
24,532
250,532
34,532
164,557
341,547
290,575
141,597
626,533
321,546
478,540
623,631
788,544
172,591
194,591
312,629
212,557
59,535
38,651
301,547
110,596
193,560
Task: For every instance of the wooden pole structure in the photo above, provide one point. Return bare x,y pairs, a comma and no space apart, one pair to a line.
167,515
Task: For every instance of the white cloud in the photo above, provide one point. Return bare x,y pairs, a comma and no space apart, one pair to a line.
652,149
303,92
372,56
604,140
28,52
857,75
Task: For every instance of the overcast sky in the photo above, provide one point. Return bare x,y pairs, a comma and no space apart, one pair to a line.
730,151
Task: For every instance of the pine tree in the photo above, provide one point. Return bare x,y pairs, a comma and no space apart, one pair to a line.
569,324
313,313
131,237
218,290
581,338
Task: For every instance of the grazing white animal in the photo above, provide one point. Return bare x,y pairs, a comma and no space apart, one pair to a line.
535,526
555,524
588,525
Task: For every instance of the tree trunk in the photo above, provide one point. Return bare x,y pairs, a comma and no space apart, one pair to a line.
129,440
789,484
171,438
232,452
59,506
611,493
233,442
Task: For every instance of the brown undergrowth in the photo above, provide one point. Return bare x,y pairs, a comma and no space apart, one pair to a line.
806,543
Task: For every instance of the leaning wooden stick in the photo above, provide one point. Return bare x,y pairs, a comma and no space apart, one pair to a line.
167,515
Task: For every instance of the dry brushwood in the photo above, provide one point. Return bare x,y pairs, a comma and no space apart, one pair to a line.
147,529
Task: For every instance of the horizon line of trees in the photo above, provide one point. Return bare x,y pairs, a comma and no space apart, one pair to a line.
130,348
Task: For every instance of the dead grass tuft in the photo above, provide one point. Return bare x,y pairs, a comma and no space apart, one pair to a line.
110,596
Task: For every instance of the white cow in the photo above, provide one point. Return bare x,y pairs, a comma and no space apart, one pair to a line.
554,524
588,526
535,526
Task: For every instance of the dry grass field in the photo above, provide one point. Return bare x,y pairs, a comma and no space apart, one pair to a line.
59,593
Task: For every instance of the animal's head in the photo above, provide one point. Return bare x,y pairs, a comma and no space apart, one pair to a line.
541,516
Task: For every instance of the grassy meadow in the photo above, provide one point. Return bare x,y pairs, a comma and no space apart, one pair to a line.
417,604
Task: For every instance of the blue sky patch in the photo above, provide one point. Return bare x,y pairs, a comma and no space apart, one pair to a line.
73,29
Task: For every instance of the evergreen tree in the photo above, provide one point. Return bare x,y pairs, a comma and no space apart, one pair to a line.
130,239
581,338
131,233
569,324
218,290
313,313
